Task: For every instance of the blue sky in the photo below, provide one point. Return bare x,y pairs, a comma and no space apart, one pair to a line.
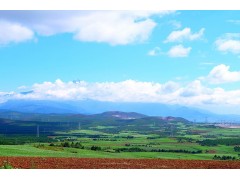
190,56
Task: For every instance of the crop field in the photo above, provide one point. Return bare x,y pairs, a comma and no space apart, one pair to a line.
103,163
127,140
128,144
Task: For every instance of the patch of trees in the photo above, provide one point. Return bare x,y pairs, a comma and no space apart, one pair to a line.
137,149
207,142
132,149
103,139
114,130
124,127
154,143
156,137
141,145
20,140
128,137
215,142
184,139
209,136
224,157
237,148
93,136
96,148
67,144
195,132
39,145
177,151
22,127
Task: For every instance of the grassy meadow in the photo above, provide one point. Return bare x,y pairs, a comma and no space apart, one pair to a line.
184,141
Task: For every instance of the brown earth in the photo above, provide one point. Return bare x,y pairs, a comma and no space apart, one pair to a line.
98,163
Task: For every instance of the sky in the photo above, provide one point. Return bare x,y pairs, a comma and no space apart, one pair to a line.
190,58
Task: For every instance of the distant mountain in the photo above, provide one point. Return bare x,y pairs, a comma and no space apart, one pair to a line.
123,115
45,107
89,107
50,123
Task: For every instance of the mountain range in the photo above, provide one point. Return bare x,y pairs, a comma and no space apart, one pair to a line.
89,107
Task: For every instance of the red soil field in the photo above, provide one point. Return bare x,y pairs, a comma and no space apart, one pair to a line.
98,163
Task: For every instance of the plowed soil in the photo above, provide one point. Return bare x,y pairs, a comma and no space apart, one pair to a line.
97,163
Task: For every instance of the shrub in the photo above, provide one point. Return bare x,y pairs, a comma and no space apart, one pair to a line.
39,145
215,157
6,165
96,148
65,144
237,148
78,145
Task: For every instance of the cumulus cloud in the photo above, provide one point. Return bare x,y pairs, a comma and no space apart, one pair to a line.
6,95
195,88
229,42
191,94
155,51
170,87
14,33
221,74
113,27
185,34
115,30
128,90
179,51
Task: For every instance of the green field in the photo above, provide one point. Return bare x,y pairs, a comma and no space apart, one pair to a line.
30,151
184,143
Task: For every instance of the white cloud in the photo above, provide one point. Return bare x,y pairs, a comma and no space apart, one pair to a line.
113,27
230,42
169,87
106,91
154,52
179,51
175,24
221,74
6,95
191,94
14,33
194,88
185,34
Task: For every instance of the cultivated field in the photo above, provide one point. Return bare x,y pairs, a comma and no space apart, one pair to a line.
150,142
103,163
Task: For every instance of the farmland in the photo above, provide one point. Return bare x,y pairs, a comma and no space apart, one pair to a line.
115,138
103,163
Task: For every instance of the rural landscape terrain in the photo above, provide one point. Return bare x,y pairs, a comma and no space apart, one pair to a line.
111,89
115,139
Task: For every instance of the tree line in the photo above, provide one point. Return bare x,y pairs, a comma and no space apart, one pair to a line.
215,142
224,157
67,144
137,149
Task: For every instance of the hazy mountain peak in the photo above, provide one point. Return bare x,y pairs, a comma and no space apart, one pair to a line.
124,115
